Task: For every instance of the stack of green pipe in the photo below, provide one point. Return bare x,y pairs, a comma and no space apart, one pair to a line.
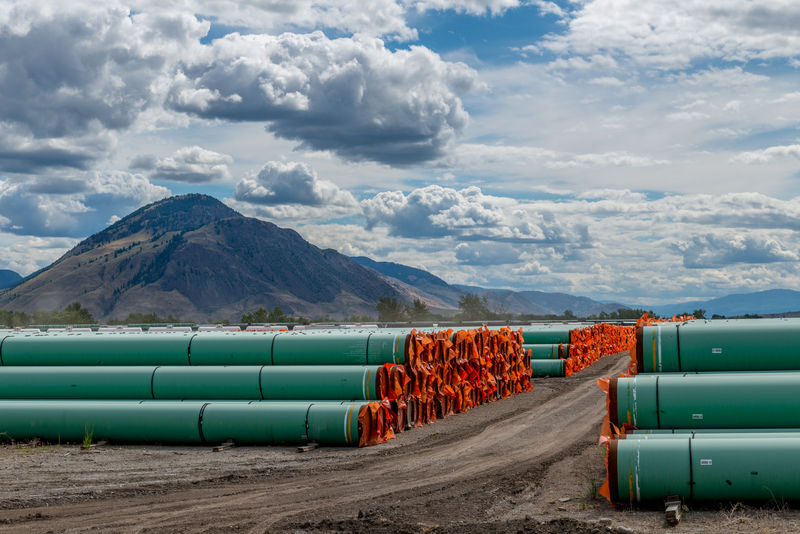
731,345
547,333
182,422
546,351
250,348
714,400
541,368
756,467
242,382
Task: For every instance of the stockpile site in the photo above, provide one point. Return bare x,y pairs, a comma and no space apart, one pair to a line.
458,429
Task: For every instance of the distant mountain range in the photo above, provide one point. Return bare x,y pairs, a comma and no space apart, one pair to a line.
773,301
8,278
443,295
195,258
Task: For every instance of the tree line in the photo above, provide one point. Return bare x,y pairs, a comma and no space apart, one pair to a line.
472,307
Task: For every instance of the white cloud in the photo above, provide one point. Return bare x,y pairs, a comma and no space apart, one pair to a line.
531,268
674,33
607,81
291,183
351,96
436,211
767,154
468,154
46,208
485,253
191,164
72,78
713,251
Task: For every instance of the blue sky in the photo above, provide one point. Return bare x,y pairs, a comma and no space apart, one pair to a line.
628,150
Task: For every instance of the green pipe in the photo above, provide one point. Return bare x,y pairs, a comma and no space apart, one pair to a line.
232,348
386,347
238,382
95,349
320,381
547,333
182,421
76,382
750,469
255,422
118,420
719,346
318,349
546,351
547,368
726,400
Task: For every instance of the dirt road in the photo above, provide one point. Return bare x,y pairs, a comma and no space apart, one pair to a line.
528,464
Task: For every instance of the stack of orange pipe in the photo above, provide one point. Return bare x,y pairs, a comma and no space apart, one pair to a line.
587,345
447,373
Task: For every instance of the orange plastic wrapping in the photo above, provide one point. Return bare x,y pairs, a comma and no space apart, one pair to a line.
446,374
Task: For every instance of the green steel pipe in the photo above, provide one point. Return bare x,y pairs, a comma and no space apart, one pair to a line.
232,348
748,469
331,348
386,347
256,422
95,349
238,382
547,368
546,351
726,400
182,421
71,420
547,334
235,382
719,346
320,382
335,425
76,382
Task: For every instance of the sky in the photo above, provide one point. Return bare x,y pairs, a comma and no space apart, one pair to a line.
638,151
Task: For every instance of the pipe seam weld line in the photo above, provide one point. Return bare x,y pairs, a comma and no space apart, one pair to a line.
200,422
366,349
189,349
152,380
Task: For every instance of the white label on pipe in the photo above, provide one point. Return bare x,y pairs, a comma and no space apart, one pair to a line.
706,461
697,416
716,351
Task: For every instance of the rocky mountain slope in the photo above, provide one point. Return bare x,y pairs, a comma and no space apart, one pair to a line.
197,259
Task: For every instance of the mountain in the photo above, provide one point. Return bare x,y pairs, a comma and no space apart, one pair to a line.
197,259
435,292
438,294
773,301
542,302
8,278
